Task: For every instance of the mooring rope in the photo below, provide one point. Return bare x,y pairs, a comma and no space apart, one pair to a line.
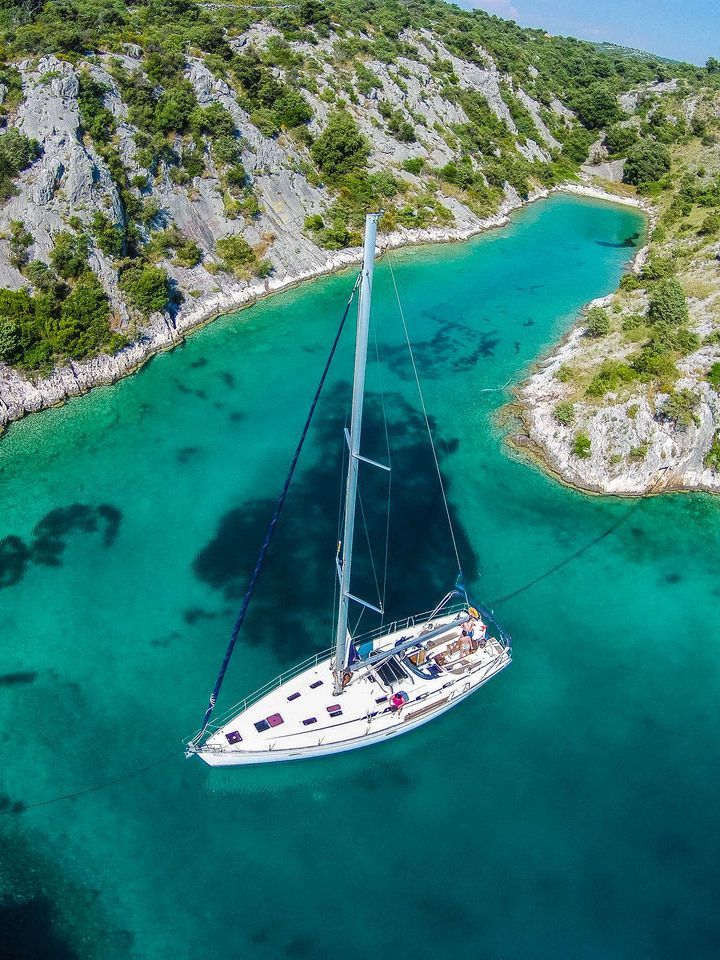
587,546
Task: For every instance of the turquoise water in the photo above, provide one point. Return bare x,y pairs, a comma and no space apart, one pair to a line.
568,810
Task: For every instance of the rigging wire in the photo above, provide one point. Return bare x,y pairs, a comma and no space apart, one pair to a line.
273,524
427,421
389,463
344,460
370,549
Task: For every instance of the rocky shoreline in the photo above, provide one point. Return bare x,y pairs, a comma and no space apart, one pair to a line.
540,439
673,457
20,395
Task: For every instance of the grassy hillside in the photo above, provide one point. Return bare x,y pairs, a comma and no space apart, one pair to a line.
431,111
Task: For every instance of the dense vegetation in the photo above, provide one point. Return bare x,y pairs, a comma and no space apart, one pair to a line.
278,83
637,349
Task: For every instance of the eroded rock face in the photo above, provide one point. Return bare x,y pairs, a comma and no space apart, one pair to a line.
611,170
70,179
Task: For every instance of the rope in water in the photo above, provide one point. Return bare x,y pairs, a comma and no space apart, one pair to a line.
573,556
22,807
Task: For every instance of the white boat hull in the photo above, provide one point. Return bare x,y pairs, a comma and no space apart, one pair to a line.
302,726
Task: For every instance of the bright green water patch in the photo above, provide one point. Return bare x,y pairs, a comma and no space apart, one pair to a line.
568,810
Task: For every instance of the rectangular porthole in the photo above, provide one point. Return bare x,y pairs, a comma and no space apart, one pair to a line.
306,723
380,699
316,684
293,696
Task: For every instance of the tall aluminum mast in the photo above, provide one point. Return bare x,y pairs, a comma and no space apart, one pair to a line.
361,342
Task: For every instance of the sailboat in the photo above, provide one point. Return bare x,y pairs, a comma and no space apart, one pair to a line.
367,688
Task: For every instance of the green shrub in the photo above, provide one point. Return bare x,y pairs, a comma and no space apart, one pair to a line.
238,257
565,373
630,281
668,304
214,120
235,252
193,162
367,81
84,315
712,457
341,147
655,362
713,376
188,254
266,121
681,407
9,339
638,454
711,224
646,162
226,150
414,165
20,240
618,140
597,323
146,287
577,143
174,108
581,445
292,109
657,268
41,276
597,107
16,153
611,375
632,410
564,413
69,255
108,236
95,118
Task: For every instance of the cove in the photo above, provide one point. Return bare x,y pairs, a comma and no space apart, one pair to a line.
568,809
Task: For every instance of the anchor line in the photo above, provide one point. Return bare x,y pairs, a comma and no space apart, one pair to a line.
574,556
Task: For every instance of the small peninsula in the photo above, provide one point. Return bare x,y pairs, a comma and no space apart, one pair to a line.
629,402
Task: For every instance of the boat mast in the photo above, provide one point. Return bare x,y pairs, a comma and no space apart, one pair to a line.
361,342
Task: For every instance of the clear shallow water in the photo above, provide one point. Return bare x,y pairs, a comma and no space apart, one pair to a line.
569,809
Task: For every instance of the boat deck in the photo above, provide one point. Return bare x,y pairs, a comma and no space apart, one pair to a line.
302,715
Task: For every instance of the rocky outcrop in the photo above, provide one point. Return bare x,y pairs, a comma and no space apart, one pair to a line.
634,448
610,170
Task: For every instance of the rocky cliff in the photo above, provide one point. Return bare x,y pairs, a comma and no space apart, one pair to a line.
71,182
